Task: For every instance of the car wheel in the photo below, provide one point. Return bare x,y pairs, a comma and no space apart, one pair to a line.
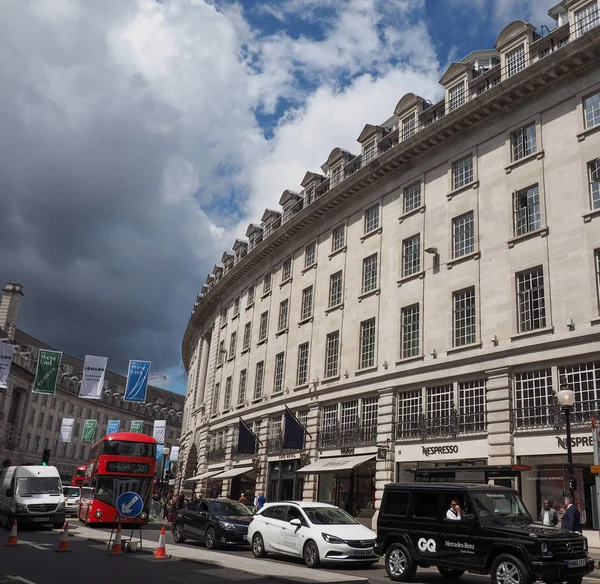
258,546
311,554
178,533
399,564
450,572
210,539
509,570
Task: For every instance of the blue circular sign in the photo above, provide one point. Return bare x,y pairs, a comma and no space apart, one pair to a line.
130,504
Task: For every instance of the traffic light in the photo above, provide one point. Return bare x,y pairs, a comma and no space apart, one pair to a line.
46,457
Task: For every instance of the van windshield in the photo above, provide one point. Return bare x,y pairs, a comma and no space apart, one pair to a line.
38,486
72,492
501,507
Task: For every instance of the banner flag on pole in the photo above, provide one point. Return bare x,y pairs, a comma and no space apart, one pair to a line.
293,432
89,431
137,426
66,429
160,427
174,455
113,426
246,439
6,356
92,381
159,452
46,373
137,381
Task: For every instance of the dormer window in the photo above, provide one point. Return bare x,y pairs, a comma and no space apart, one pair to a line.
409,126
515,61
586,18
336,175
369,151
309,195
457,96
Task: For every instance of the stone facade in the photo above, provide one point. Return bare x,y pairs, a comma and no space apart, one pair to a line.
467,243
30,423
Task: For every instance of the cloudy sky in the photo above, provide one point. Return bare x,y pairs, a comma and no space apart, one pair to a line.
138,138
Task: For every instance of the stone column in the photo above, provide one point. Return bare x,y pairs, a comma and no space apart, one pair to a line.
200,385
384,473
309,490
499,417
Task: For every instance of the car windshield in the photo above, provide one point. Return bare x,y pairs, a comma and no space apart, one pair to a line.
500,506
108,489
71,492
38,486
229,509
329,516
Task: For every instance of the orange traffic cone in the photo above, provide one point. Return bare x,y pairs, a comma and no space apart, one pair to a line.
63,545
12,538
117,548
161,550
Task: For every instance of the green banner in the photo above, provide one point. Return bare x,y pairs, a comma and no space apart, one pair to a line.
137,426
89,431
46,373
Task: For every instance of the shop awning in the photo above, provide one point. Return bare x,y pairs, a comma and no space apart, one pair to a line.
335,464
201,477
234,472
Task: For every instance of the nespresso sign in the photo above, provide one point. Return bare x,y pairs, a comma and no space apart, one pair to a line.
438,450
578,441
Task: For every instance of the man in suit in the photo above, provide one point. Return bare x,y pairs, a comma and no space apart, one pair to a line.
548,515
571,519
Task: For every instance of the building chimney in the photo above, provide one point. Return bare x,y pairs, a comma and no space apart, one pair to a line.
9,307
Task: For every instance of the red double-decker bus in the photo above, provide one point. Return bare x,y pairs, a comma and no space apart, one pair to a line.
79,476
120,462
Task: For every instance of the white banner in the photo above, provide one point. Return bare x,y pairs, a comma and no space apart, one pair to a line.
174,456
66,429
159,431
92,382
6,356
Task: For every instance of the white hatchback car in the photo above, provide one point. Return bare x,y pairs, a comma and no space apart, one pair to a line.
317,532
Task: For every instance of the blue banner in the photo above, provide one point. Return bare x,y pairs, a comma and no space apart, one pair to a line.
159,452
246,439
113,426
137,381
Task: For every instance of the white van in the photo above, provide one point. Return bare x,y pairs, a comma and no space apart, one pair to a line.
33,495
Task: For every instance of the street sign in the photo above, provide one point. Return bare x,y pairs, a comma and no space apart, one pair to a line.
595,469
129,504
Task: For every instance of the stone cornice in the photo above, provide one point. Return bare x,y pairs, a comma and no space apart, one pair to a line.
554,69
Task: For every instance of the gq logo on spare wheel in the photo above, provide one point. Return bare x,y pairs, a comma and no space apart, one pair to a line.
427,545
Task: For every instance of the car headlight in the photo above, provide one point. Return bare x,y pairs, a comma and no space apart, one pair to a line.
544,548
585,544
332,538
60,506
20,508
226,525
98,514
144,515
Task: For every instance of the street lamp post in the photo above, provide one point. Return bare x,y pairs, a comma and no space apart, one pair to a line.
165,453
566,400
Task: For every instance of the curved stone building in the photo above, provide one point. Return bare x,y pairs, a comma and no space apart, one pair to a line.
419,302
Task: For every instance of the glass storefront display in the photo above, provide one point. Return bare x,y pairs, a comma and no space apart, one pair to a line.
284,483
548,479
404,472
353,490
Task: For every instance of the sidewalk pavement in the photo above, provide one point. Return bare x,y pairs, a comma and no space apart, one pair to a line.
266,569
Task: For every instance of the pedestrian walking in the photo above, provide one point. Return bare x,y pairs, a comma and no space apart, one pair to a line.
571,520
260,501
243,500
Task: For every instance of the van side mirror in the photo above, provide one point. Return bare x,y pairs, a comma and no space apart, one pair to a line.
10,493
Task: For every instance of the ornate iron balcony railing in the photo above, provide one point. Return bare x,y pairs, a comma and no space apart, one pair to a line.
550,416
275,446
448,426
353,435
216,455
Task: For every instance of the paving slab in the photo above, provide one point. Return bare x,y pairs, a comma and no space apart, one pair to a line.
272,570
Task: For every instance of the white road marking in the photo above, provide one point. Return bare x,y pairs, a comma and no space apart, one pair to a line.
20,579
36,545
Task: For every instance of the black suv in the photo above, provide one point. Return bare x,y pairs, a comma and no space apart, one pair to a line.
495,535
216,522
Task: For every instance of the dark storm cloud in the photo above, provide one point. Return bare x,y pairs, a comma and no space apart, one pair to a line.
97,165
